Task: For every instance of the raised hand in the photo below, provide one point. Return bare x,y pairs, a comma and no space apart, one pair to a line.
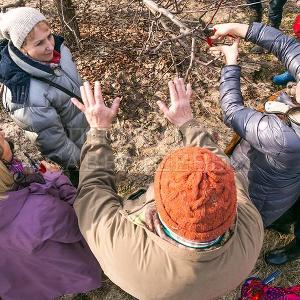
98,115
180,110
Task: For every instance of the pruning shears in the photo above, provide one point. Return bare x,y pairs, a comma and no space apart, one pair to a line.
208,32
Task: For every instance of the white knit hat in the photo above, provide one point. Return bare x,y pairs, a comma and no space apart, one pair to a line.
17,23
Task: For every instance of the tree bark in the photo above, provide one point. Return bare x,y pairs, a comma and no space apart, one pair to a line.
68,21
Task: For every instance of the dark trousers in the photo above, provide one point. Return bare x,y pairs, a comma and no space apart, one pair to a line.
257,6
292,216
294,211
275,10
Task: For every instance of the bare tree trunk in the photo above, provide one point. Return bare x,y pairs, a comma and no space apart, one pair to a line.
68,21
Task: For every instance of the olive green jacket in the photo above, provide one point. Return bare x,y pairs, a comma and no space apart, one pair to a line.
139,261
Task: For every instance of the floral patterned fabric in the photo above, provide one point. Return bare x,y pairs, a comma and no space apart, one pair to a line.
255,289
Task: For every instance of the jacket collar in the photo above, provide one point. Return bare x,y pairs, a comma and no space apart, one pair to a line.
285,98
27,64
16,70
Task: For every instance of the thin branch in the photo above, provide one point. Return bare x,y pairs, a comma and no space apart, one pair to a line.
191,59
184,45
173,61
150,34
156,8
69,27
222,7
173,39
213,16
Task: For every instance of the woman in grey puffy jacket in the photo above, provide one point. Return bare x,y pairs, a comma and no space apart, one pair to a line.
32,58
269,152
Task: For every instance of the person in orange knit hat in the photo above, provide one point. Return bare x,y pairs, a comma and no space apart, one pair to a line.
193,234
195,196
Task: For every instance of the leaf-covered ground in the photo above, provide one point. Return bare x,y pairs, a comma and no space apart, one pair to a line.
113,34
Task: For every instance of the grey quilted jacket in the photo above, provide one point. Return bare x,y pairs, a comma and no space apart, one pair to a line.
269,153
47,115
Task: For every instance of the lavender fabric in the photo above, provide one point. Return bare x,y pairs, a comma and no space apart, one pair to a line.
43,254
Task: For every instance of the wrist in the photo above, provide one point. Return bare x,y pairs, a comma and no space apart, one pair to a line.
182,122
231,62
101,125
100,128
241,30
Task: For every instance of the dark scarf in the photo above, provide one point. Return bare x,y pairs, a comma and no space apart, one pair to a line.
22,178
15,78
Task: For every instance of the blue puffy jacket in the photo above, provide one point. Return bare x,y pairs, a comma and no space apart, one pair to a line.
269,152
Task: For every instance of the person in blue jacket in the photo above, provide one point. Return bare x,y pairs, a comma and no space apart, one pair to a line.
269,152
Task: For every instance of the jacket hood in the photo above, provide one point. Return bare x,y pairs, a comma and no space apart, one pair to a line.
11,205
285,98
16,69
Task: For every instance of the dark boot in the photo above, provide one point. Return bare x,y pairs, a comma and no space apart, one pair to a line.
284,223
275,12
283,255
282,228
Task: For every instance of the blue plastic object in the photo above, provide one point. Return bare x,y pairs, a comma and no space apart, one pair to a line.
282,79
271,277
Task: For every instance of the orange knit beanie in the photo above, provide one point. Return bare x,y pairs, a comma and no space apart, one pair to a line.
195,194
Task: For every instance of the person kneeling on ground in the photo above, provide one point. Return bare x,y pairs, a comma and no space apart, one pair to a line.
40,77
268,155
43,254
193,235
285,77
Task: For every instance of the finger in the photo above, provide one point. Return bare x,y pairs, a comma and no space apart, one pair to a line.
148,219
236,42
173,92
83,96
89,93
180,87
98,93
216,52
215,48
78,104
115,106
215,32
163,107
189,91
217,37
